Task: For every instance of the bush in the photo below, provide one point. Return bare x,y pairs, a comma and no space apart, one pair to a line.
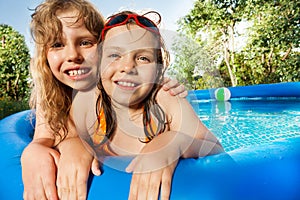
14,65
9,107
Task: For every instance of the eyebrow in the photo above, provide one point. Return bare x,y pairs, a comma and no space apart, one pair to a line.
113,48
117,48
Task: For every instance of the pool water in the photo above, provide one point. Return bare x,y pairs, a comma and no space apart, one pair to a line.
242,123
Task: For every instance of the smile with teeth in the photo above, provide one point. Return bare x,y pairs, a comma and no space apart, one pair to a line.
77,72
127,84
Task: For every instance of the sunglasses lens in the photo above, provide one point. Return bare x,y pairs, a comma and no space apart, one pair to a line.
147,23
123,18
117,20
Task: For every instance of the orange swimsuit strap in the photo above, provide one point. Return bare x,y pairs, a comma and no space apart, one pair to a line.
100,133
99,136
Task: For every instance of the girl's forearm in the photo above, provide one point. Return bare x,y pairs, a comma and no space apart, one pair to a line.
186,146
202,147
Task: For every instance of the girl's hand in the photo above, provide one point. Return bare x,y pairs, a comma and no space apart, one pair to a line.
153,168
174,87
39,162
74,167
149,185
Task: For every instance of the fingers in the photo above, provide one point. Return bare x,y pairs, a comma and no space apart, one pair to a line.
147,186
169,83
150,185
46,192
69,190
81,186
134,192
73,171
50,187
174,88
39,178
154,187
41,188
49,181
72,186
166,184
179,90
55,156
96,167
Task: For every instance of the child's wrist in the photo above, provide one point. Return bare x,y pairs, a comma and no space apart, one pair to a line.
70,140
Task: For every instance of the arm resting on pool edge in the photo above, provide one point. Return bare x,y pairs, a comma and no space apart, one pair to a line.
251,173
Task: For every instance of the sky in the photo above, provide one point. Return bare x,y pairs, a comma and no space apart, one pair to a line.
16,13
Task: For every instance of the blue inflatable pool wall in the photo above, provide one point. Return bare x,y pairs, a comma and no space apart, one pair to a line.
264,172
289,89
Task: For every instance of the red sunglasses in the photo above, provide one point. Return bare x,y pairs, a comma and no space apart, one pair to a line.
121,19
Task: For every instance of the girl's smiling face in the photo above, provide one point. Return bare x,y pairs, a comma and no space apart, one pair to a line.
73,59
128,64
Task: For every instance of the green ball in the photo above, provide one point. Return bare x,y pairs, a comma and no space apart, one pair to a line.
222,94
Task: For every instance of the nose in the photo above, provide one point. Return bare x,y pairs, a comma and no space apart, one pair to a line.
128,64
73,54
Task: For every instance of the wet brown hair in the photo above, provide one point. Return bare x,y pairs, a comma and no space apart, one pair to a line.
150,104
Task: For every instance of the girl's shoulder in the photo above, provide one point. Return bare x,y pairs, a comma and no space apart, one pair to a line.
174,106
168,102
165,98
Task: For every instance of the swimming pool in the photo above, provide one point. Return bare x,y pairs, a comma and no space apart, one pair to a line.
258,127
253,116
245,122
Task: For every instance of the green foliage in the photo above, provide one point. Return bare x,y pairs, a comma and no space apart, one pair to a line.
14,64
218,21
271,50
198,71
274,41
8,107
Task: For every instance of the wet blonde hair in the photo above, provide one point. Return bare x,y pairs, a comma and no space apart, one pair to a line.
54,97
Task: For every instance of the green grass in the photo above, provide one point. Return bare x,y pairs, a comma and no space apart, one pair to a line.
9,107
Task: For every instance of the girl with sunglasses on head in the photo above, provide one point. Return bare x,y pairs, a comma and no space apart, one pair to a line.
66,35
154,127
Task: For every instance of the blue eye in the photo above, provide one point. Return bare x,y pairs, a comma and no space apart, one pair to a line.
114,55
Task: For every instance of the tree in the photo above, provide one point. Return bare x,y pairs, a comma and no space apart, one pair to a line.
14,64
271,47
199,70
219,19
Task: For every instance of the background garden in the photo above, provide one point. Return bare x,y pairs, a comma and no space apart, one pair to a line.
221,43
